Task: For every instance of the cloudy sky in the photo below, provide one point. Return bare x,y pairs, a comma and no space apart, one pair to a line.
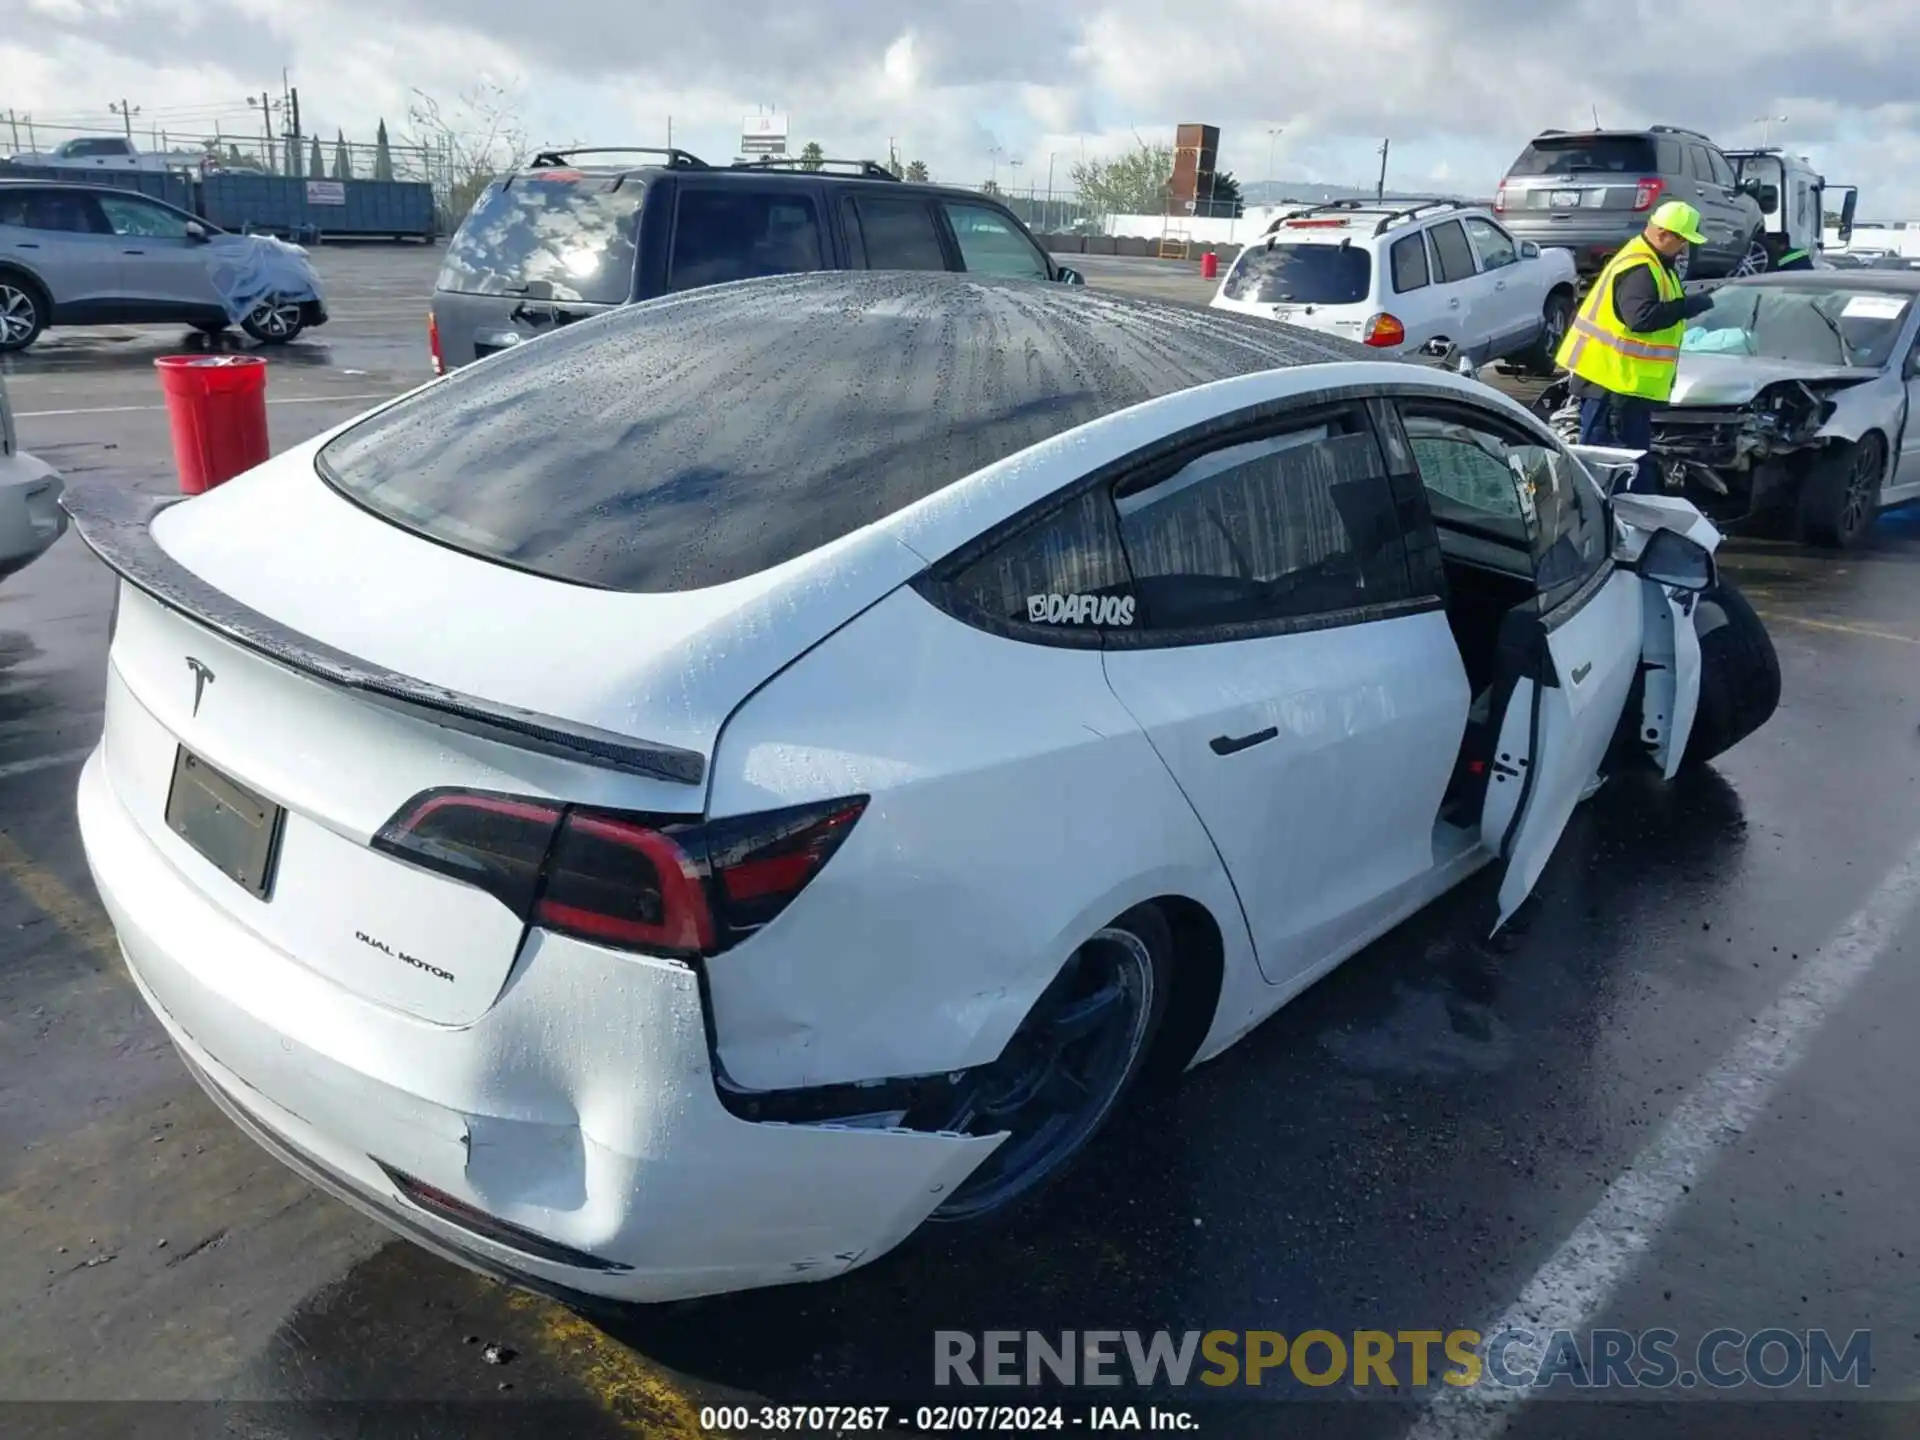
971,86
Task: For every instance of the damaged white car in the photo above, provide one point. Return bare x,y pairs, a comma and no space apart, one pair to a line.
1795,405
679,806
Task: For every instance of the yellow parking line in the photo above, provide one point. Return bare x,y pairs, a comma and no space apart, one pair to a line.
1865,631
82,919
640,1397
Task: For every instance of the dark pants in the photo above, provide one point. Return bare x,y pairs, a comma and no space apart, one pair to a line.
1627,423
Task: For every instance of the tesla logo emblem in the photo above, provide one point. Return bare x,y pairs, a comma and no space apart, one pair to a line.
202,677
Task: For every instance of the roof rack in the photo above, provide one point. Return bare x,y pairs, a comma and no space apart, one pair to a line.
676,158
865,169
1676,130
1391,211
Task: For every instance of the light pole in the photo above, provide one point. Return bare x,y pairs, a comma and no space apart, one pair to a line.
1766,124
1013,183
993,158
1273,137
1047,217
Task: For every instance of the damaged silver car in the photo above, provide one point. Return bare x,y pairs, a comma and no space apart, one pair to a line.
1793,408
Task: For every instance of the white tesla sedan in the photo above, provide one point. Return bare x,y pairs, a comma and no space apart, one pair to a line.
676,807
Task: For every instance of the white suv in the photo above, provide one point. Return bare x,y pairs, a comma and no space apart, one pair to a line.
1400,278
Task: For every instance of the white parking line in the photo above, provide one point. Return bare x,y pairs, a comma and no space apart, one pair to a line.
132,409
43,762
1573,1287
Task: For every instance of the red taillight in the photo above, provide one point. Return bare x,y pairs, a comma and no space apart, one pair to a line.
1648,193
663,885
433,344
624,883
1384,331
1500,198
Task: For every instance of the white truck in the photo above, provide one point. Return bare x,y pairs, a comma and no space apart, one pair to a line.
1794,200
113,152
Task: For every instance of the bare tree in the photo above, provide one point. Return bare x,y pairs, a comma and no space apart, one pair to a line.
474,139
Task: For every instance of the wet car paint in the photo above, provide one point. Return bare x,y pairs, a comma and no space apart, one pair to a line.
1400,1148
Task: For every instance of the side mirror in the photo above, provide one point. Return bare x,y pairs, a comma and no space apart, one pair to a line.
1670,558
1529,250
1847,207
1769,198
1066,276
196,231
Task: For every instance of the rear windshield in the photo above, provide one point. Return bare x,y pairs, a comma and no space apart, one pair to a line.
690,441
1573,154
554,239
1303,274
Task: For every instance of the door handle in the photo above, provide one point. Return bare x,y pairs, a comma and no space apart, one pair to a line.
1499,284
133,252
1229,744
1453,304
26,244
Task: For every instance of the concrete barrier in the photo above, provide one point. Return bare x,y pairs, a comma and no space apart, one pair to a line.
1134,245
1099,245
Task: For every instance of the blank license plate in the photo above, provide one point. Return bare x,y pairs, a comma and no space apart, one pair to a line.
236,830
1565,199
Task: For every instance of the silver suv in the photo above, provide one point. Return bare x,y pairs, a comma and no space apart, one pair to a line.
1591,191
96,255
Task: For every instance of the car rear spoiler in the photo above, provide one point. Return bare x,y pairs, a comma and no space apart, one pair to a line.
118,527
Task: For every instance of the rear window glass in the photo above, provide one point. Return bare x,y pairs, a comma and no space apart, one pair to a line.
1303,274
692,441
555,239
1572,154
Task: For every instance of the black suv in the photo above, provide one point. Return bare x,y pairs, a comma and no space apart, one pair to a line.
1591,191
563,240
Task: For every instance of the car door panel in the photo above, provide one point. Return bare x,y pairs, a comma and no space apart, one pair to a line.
163,272
1558,725
1512,311
63,242
1307,704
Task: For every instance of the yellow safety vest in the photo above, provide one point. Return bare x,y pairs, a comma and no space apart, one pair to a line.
1600,348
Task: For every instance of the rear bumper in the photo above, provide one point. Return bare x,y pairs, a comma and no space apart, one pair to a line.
1592,243
580,1109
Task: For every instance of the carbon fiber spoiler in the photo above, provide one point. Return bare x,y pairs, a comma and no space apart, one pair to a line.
118,527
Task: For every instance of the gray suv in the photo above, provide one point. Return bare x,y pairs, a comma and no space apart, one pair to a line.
96,255
562,240
1590,191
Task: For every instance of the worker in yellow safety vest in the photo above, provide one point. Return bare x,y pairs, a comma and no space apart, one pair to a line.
1624,344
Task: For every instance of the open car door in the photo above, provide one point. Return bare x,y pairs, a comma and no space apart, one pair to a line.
1564,676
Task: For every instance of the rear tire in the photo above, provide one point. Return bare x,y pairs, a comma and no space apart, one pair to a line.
1555,317
1841,494
1739,674
24,311
1053,1093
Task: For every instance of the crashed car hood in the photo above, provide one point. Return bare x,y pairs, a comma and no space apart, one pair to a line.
1707,379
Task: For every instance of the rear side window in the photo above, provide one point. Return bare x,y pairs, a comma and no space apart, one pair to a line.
1452,252
731,233
1722,172
1066,575
62,210
1669,155
1576,154
1698,162
561,239
896,234
1409,255
991,244
1303,274
1283,527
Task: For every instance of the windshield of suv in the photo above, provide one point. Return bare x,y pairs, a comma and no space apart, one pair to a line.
1573,154
1303,274
573,234
1825,326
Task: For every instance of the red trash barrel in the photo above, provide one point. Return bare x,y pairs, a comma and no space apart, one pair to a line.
217,409
1209,266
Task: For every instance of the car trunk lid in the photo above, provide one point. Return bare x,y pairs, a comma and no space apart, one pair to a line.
288,672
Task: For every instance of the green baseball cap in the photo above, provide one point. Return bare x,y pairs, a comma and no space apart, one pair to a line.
1681,219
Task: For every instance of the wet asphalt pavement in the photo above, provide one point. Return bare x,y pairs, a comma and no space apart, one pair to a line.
1405,1147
